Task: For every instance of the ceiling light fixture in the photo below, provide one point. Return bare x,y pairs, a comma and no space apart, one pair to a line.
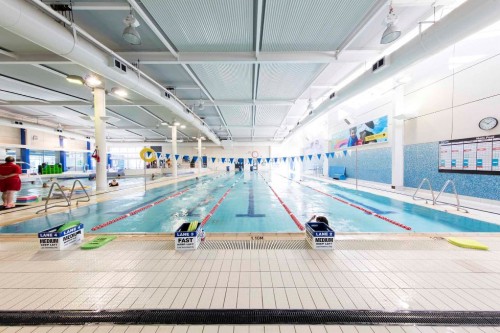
392,32
176,123
130,33
120,92
92,81
75,79
183,126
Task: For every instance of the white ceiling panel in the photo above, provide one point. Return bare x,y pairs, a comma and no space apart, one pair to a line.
205,26
226,81
264,132
285,81
237,115
270,115
313,25
244,133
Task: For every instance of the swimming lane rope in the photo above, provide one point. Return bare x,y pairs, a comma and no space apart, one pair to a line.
369,212
292,216
214,208
138,210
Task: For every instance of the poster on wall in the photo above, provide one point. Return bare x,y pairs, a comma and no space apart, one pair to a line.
471,155
373,131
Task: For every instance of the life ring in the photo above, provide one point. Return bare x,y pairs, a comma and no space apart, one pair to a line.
144,153
255,154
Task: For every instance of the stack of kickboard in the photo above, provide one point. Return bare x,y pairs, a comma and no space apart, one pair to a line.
27,199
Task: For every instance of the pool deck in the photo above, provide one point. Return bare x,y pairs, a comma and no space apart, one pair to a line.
390,272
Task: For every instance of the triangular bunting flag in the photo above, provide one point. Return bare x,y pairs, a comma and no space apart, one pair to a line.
177,157
310,157
327,155
275,160
231,159
319,156
293,158
185,157
301,158
195,158
345,152
167,156
213,159
268,159
223,160
250,160
158,155
284,159
332,155
259,159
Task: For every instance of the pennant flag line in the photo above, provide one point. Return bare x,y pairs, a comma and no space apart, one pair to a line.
177,157
259,160
158,155
319,156
310,157
302,158
250,160
268,159
231,159
213,159
195,158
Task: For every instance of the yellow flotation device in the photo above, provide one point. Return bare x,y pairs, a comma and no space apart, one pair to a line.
144,153
467,243
193,226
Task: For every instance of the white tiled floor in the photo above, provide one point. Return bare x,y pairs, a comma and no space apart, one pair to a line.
247,329
416,273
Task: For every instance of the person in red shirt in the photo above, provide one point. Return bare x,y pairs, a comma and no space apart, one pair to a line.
9,181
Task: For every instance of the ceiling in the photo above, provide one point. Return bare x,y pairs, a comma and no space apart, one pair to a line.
254,65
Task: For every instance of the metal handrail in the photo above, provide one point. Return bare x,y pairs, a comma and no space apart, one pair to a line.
49,196
425,180
83,188
448,182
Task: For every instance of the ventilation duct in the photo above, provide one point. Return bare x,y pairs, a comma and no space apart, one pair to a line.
465,20
27,21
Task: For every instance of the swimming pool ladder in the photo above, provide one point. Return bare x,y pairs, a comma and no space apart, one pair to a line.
425,180
67,198
450,182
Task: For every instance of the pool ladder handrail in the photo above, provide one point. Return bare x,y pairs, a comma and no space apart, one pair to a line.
83,188
49,196
425,180
448,182
66,198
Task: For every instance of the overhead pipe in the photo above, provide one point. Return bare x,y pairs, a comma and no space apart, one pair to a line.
30,23
465,20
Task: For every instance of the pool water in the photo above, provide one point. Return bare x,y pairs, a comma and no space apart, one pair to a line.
251,206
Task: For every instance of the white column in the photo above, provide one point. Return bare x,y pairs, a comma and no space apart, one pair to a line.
397,138
199,156
174,150
100,138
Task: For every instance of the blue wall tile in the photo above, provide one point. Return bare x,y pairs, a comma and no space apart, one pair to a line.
373,164
421,161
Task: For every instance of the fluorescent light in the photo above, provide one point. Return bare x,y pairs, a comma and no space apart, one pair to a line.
92,81
183,126
176,123
164,123
120,92
75,79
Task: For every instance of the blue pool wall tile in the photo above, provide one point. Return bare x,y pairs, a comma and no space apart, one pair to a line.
374,165
421,161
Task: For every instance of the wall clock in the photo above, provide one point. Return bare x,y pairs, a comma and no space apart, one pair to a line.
488,123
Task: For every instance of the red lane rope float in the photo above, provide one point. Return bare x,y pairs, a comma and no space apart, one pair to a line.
292,216
214,208
401,225
138,210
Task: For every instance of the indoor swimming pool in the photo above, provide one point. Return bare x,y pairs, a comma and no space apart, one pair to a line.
254,202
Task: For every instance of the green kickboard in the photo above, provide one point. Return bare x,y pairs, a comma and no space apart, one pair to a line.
97,242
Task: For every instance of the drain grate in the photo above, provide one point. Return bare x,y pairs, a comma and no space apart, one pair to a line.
248,317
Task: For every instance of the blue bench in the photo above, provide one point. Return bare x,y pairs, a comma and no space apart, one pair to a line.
337,172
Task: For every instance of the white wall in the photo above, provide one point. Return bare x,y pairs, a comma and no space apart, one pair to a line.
9,135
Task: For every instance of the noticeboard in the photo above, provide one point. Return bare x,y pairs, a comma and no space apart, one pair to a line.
472,155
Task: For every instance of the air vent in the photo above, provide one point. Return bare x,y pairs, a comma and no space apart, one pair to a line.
170,91
18,122
380,64
332,95
118,65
